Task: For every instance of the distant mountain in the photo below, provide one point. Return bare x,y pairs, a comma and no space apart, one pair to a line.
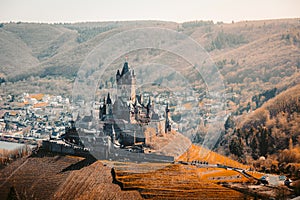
31,49
257,52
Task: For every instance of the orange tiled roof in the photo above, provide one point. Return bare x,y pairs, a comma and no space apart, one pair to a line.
37,96
21,104
39,105
13,113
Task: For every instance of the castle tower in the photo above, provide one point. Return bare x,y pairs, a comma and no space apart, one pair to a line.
126,82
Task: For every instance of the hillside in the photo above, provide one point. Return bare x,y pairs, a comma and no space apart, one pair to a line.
50,178
270,131
15,54
58,49
68,177
268,49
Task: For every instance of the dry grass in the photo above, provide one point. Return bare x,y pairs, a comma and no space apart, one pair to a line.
256,174
201,154
7,156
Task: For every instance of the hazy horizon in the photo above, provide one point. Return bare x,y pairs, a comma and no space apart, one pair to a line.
68,11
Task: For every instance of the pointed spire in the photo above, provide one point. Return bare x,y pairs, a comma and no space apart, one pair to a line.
118,76
108,101
125,68
149,102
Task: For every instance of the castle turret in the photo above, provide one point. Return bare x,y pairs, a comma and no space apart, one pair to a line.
102,110
108,101
167,123
148,107
109,112
118,76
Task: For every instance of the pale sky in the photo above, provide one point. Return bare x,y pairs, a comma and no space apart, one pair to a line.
168,10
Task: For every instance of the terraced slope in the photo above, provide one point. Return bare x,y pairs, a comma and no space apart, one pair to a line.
92,182
45,178
67,177
178,182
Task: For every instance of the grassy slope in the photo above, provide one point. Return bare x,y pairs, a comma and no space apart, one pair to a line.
15,54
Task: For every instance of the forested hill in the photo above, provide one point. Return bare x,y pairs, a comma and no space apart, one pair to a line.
249,52
268,136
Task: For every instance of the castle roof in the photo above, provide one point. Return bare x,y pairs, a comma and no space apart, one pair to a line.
125,68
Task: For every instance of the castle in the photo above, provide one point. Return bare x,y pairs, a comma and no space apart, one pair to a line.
125,119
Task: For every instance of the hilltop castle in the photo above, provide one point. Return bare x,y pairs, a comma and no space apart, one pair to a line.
124,119
126,123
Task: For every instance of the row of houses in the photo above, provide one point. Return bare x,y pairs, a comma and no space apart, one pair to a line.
34,115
